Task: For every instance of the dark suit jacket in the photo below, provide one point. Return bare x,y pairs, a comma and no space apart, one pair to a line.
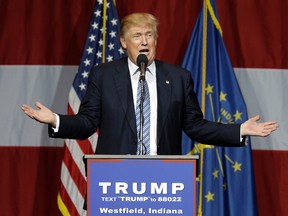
108,105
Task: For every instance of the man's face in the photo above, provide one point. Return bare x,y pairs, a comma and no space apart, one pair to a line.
140,40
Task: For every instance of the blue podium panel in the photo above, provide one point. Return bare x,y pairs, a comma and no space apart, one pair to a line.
143,186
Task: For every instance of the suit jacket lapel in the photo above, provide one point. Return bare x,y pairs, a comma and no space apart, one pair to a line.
124,89
164,86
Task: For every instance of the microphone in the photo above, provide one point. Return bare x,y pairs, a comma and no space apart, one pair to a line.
142,62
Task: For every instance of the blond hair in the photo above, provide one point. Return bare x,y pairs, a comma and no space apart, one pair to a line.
138,19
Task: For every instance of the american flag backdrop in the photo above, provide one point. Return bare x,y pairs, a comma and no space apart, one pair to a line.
102,45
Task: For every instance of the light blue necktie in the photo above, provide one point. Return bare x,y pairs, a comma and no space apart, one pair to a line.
146,119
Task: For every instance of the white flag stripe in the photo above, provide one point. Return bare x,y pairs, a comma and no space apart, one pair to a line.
77,198
93,140
264,92
20,84
74,99
77,155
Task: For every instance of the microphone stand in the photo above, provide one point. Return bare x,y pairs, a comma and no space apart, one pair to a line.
142,79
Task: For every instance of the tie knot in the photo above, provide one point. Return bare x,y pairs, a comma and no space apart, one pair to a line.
138,70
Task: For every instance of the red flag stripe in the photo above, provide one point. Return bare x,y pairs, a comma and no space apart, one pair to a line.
69,205
75,195
86,146
75,172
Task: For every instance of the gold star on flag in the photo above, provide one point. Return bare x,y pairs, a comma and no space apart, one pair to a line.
209,89
196,149
223,96
237,115
198,178
209,197
215,174
237,166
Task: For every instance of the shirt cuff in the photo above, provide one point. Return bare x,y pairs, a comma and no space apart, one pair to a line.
242,138
56,129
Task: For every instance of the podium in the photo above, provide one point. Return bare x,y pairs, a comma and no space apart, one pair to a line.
141,185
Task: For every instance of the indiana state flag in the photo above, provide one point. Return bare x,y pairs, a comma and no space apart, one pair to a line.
225,182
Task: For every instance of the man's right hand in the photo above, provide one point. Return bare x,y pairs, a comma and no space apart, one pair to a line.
42,114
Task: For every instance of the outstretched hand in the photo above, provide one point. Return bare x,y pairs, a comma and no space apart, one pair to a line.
252,128
42,114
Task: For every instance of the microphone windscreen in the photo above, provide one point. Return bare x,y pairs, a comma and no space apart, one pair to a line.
142,58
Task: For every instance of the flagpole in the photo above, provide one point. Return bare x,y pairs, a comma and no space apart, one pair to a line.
207,7
204,56
104,31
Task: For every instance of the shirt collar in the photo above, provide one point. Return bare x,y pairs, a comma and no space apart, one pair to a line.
133,68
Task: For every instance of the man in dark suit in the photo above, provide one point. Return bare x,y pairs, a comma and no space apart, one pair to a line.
110,103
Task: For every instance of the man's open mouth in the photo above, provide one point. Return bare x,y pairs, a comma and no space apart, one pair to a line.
144,50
